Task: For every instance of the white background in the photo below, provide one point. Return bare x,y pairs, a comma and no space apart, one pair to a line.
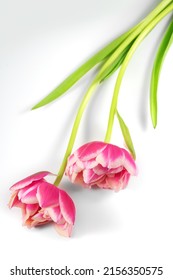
41,43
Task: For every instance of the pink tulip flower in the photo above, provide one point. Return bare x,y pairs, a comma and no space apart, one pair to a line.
42,203
100,164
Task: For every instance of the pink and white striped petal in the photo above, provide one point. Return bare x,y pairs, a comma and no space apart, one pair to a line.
71,160
54,213
90,150
90,177
14,201
111,157
129,163
89,164
100,170
67,207
47,195
119,181
80,181
39,219
30,210
28,195
28,180
64,229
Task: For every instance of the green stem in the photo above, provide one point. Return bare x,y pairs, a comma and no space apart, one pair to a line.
140,38
98,57
81,109
133,35
98,78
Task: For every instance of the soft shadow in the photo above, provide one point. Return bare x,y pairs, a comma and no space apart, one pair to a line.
143,105
94,213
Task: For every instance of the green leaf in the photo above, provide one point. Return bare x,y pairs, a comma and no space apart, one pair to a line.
158,62
117,63
84,68
126,135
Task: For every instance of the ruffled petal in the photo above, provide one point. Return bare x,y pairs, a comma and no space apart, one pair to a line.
67,207
100,170
111,157
28,180
47,195
38,219
79,180
129,163
119,181
71,160
14,201
30,210
90,150
54,213
90,177
76,167
64,229
89,164
27,195
101,164
116,170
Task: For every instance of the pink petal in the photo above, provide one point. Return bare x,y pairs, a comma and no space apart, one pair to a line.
80,181
111,157
129,163
39,216
90,150
28,195
103,185
28,180
80,164
90,177
54,213
71,160
73,177
47,195
67,207
38,219
14,199
38,224
119,181
100,170
64,229
30,210
89,164
76,167
116,170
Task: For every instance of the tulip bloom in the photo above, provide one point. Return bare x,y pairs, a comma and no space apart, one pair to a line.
42,203
101,164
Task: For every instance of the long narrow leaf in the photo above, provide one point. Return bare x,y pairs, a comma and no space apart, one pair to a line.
117,63
126,135
84,68
158,62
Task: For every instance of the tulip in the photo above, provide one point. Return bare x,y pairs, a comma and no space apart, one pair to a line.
101,164
42,203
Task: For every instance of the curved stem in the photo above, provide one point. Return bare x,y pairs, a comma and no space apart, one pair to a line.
97,58
81,109
140,38
133,34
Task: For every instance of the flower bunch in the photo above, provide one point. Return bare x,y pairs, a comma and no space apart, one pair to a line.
42,203
98,163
